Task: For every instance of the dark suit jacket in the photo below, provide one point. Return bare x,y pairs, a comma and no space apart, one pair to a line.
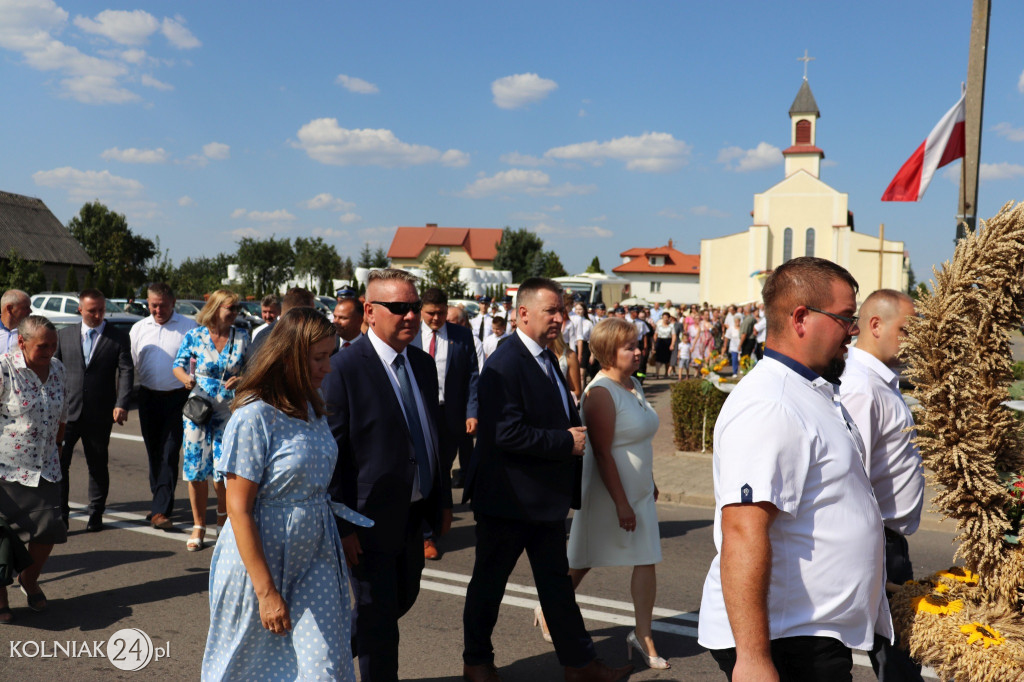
523,467
94,391
460,380
376,461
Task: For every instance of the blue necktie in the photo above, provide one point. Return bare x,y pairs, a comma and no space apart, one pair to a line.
87,346
549,368
419,444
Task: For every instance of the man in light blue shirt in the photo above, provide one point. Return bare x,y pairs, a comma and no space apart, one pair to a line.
14,307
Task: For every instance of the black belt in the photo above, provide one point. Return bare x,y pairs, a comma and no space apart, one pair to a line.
171,392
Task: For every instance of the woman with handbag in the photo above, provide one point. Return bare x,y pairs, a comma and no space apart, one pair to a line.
209,363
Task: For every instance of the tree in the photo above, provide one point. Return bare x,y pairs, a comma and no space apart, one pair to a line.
22,274
911,280
546,264
380,258
196,277
71,279
348,269
159,267
444,275
317,261
595,266
109,241
366,256
516,252
265,264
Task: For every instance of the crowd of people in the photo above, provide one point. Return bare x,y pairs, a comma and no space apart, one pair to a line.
332,445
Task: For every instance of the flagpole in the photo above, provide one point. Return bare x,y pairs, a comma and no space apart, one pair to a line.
974,105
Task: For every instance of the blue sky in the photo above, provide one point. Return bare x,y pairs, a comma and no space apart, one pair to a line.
600,125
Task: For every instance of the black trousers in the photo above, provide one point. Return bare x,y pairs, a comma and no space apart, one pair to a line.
162,432
385,586
800,659
499,544
95,437
891,663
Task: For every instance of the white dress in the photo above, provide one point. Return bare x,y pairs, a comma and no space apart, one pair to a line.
595,538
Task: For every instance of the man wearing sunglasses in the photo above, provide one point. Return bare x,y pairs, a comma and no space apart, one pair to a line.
799,576
382,398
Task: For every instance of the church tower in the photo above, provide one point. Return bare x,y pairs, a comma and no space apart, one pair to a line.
802,154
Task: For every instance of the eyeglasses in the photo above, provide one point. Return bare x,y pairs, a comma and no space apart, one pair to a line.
849,322
233,308
401,308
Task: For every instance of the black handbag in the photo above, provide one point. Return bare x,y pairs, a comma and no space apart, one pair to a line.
197,409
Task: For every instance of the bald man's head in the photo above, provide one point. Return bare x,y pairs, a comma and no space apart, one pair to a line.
883,324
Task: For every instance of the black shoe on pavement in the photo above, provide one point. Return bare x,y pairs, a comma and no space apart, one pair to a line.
95,524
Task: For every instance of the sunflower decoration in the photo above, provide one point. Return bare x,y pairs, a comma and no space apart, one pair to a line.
987,636
960,575
937,604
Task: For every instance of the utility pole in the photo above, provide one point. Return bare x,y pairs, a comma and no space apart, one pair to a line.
967,217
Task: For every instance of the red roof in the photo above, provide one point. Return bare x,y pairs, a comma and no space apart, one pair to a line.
481,243
676,262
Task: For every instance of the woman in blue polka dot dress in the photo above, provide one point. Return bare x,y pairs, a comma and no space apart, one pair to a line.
279,596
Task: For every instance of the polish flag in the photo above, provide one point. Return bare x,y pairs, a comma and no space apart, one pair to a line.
944,144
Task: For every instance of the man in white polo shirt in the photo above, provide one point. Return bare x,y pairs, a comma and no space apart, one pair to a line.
871,393
799,576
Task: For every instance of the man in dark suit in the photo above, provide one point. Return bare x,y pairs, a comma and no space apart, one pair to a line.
454,354
524,476
98,365
386,421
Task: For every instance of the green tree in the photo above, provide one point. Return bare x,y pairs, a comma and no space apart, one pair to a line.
103,280
595,266
517,251
109,241
160,268
71,279
316,261
911,281
380,258
23,274
546,264
348,269
265,264
195,277
365,256
88,280
443,274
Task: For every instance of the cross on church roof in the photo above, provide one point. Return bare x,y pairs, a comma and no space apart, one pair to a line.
805,59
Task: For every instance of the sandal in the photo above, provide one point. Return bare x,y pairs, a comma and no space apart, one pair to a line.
196,544
37,601
6,611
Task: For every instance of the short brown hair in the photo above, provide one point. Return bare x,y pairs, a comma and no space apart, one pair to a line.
161,289
608,336
270,301
280,373
434,296
297,297
532,285
803,281
94,294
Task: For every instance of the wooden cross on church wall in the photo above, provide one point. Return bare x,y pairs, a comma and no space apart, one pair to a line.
880,251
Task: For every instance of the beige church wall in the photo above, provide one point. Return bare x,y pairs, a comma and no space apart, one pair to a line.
726,264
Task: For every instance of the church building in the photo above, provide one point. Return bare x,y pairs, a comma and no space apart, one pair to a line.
799,216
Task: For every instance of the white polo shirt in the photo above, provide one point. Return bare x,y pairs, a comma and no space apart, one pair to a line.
154,347
422,341
871,393
783,437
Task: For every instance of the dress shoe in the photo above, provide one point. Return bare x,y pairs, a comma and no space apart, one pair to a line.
162,522
485,672
430,550
95,524
597,671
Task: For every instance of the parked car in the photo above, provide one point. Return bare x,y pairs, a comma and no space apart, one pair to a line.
190,307
64,305
472,307
134,307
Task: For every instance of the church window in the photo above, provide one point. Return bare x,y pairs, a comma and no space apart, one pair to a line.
809,242
787,244
803,132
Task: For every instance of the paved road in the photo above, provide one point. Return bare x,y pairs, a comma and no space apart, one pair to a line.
131,576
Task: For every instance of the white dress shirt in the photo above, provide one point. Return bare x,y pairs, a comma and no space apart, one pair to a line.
440,353
870,391
387,356
154,347
96,338
538,354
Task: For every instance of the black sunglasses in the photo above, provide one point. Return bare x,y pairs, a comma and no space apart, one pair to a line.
848,322
401,308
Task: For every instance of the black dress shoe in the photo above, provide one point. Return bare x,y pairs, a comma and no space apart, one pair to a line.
95,524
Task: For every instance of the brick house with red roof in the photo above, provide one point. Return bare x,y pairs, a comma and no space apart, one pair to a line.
466,247
661,273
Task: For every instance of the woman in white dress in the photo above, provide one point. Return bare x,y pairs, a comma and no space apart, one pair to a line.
617,524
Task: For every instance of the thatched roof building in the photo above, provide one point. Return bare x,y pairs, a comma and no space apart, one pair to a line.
28,227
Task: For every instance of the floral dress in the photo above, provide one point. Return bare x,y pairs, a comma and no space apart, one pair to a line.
202,444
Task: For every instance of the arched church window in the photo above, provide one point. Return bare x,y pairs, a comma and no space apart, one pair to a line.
803,132
809,242
787,244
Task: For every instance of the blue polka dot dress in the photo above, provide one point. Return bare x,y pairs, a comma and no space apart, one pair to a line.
293,462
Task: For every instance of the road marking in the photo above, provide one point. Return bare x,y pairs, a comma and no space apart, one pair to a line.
127,436
138,523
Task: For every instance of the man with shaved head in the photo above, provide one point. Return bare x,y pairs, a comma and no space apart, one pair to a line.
870,391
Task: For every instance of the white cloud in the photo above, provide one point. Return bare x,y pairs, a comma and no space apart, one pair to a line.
349,217
218,151
669,213
97,89
133,56
357,85
151,82
595,231
179,36
325,200
703,210
1020,82
325,141
279,216
583,113
133,155
88,185
650,152
584,231
526,216
1000,171
186,201
330,233
760,157
513,92
517,159
243,232
519,181
1009,132
125,27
